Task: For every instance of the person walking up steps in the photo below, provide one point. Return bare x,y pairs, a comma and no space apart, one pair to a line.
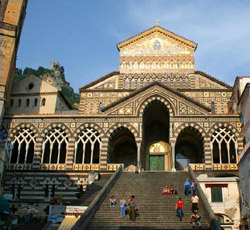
132,206
123,206
179,208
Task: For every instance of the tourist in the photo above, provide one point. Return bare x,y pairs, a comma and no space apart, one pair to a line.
165,190
187,186
112,201
123,206
27,216
196,219
179,208
195,201
132,207
173,190
192,186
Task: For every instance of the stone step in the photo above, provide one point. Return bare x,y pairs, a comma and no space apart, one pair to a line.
156,211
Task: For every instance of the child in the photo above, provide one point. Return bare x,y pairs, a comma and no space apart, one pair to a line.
112,201
179,208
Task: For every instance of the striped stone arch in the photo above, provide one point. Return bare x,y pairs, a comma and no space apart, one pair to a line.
24,126
230,127
165,101
130,127
89,125
56,125
193,125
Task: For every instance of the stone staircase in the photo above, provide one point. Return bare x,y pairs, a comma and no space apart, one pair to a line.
157,211
92,190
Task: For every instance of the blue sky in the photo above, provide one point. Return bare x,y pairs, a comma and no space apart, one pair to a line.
82,34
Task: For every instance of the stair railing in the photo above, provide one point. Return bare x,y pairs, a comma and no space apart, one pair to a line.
214,224
87,216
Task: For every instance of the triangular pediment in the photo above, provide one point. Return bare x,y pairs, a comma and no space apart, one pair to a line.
179,103
165,38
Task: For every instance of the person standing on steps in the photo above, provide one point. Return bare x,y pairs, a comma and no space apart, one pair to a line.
195,201
192,185
179,208
132,206
187,186
123,206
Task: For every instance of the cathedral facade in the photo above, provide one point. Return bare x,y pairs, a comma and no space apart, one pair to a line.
157,113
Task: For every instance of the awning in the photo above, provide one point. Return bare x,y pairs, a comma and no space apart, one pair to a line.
216,185
4,205
68,223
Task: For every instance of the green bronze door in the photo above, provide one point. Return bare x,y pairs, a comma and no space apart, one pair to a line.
156,162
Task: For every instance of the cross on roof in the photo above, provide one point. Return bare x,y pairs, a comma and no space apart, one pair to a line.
157,22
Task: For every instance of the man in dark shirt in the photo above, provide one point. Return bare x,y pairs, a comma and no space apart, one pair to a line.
132,206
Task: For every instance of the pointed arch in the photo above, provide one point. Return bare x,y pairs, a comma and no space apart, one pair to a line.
23,143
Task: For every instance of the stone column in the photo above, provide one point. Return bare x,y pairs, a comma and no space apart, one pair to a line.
208,154
37,153
70,154
104,154
139,155
173,156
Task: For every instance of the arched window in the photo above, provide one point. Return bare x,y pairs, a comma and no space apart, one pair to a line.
213,107
135,65
174,82
19,102
162,79
150,80
130,65
23,147
138,83
35,102
156,79
11,102
144,81
133,83
142,65
43,102
169,81
126,83
224,145
153,65
27,102
186,82
181,82
88,145
123,65
55,146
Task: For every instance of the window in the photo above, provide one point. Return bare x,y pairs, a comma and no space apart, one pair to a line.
30,86
224,145
23,147
43,102
126,83
138,83
216,194
11,102
213,107
27,102
19,102
133,83
55,146
88,145
35,102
